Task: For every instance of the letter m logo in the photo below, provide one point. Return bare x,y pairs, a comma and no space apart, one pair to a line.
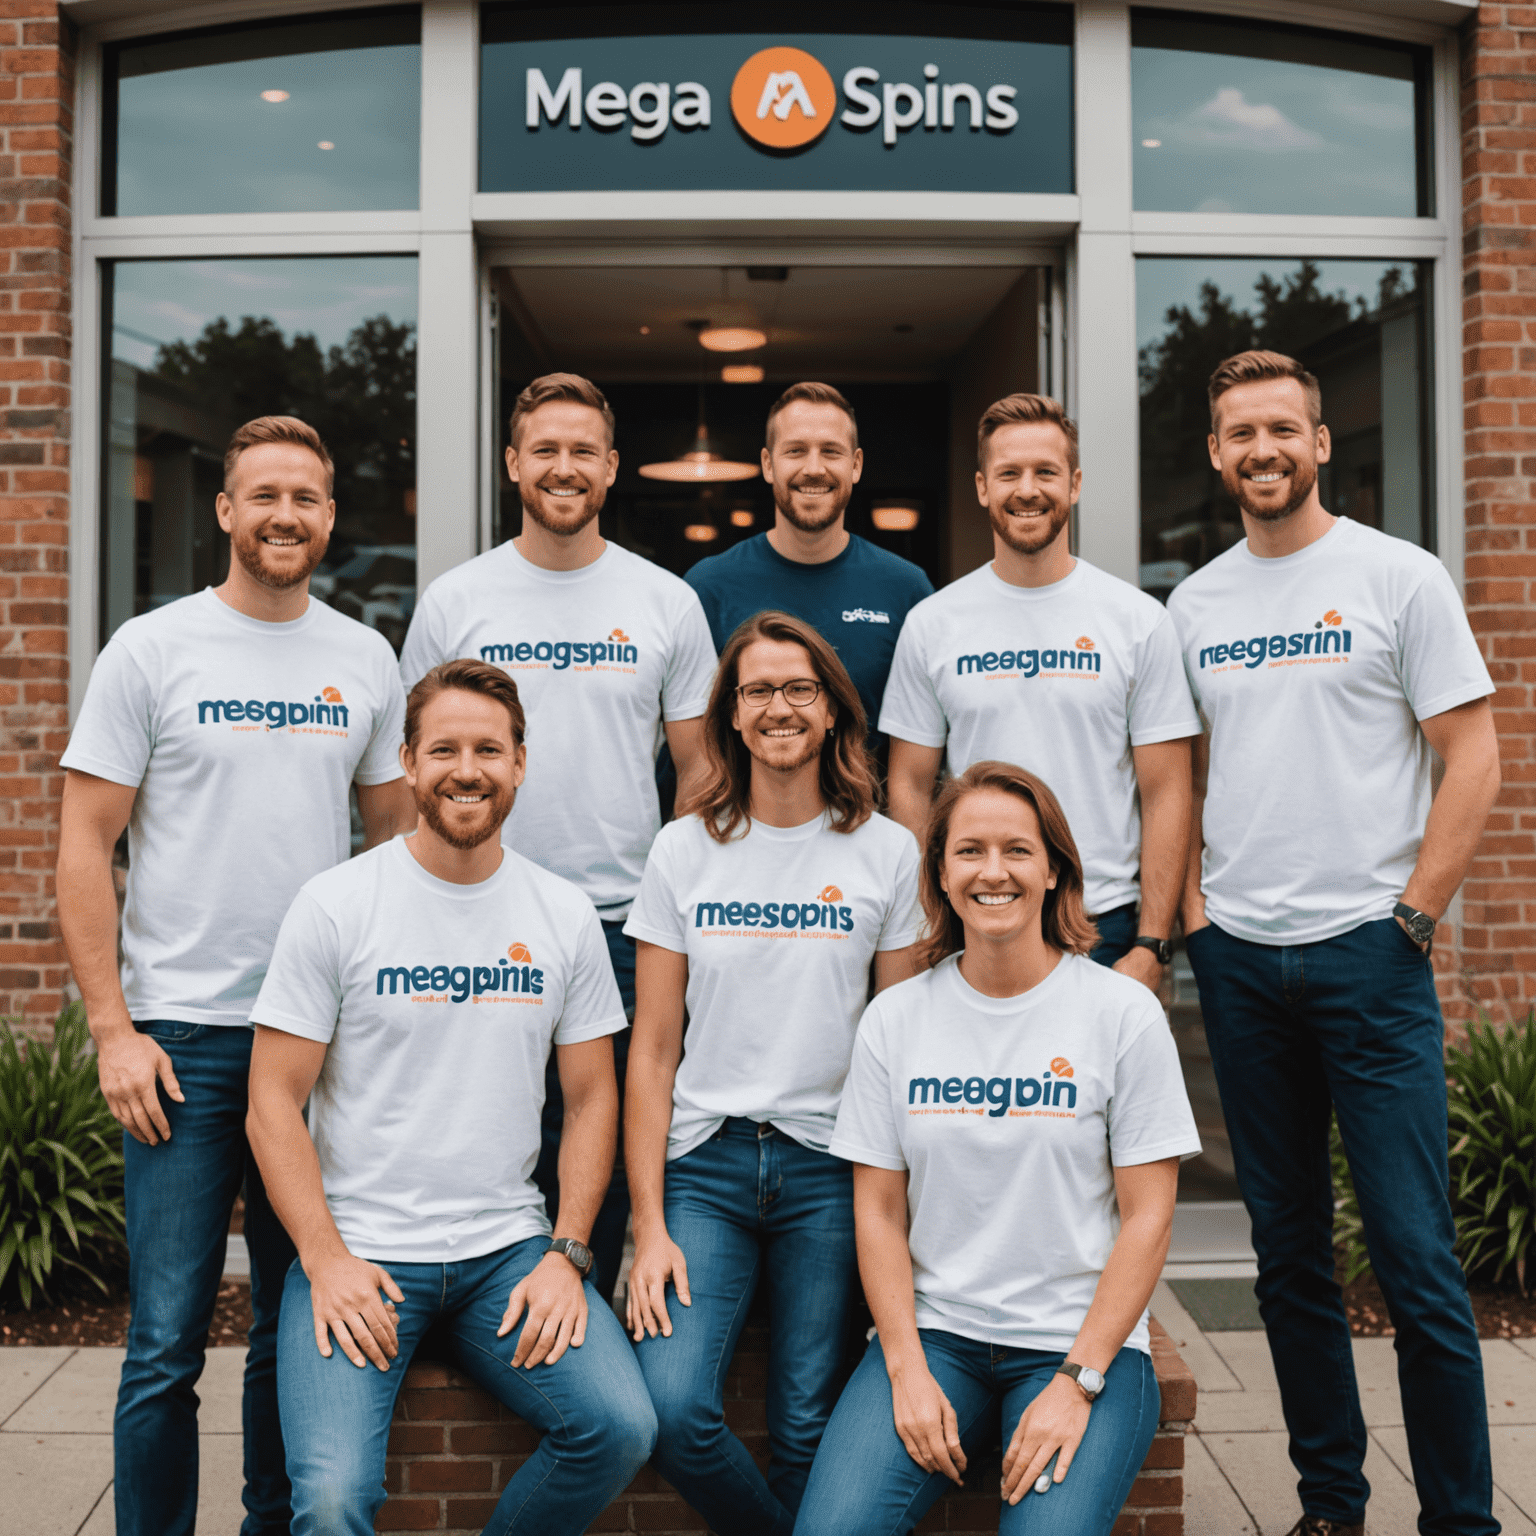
711,914
495,653
919,1089
393,974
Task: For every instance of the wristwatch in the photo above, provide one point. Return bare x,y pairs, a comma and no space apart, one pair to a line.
578,1253
1090,1381
1420,925
1162,948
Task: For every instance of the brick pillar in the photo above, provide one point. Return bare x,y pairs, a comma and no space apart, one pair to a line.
36,153
1494,962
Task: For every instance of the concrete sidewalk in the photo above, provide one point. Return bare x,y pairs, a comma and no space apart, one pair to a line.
56,1437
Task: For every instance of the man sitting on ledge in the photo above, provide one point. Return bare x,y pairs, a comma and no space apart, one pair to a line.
413,999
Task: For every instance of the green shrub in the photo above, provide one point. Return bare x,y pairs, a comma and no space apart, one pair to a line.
61,1164
1491,1089
1493,1147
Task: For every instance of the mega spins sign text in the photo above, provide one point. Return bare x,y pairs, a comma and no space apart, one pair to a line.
782,99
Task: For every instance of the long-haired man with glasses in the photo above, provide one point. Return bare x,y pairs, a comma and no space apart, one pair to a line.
760,912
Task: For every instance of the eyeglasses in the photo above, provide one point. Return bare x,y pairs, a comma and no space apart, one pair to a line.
798,691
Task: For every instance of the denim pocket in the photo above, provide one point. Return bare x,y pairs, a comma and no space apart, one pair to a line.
1399,938
169,1031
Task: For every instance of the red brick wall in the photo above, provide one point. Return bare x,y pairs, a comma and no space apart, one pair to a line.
36,150
452,1449
1495,961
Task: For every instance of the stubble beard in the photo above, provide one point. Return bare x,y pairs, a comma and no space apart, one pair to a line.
1027,538
500,807
252,555
837,503
1303,478
568,527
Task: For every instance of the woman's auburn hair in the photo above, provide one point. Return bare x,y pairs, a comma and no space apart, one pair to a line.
847,780
1063,922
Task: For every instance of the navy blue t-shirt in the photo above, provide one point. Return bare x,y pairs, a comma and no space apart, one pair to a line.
857,601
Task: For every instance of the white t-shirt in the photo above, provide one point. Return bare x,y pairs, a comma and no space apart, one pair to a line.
1009,1115
439,1005
601,657
242,738
779,928
1062,680
1312,672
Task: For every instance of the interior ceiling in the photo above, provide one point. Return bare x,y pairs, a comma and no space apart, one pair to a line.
870,323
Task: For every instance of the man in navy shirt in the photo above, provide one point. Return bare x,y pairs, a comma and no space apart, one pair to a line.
808,564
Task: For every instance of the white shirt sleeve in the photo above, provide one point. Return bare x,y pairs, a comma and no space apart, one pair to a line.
1160,706
866,1126
1437,656
654,916
114,735
593,1006
381,762
691,667
301,994
425,644
1149,1115
904,915
910,710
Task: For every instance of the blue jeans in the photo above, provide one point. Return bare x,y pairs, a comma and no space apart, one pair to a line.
607,1240
1350,1024
1117,933
865,1483
752,1202
179,1196
598,1424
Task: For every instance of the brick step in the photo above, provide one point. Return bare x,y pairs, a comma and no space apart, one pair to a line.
453,1448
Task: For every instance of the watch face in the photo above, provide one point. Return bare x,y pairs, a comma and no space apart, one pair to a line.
1421,929
1090,1381
580,1256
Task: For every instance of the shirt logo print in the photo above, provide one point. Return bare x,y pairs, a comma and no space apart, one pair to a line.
824,918
1328,641
513,980
994,1097
615,652
326,709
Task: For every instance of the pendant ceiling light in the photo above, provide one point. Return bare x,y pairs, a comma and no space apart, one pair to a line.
732,338
702,463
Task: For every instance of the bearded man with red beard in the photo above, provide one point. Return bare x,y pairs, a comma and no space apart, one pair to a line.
1043,660
224,732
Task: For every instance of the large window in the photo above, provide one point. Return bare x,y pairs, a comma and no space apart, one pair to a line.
1361,326
197,348
1236,117
318,115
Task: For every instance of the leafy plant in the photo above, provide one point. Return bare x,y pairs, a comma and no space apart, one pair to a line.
1493,1147
61,1164
1491,1090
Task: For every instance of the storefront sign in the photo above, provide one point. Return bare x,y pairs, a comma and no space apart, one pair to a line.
752,111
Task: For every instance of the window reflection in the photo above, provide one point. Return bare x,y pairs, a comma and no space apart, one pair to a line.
1234,117
198,347
316,115
1360,326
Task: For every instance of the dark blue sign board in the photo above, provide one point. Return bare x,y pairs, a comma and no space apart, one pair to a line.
915,112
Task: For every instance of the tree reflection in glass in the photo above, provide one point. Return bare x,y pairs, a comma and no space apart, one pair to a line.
1360,326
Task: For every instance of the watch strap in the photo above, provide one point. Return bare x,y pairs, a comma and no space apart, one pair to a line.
1417,923
1162,948
1072,1370
563,1245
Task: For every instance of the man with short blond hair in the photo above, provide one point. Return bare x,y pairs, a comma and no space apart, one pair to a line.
612,655
224,732
808,564
1043,660
1332,664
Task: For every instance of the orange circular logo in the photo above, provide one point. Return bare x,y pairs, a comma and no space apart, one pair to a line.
518,952
783,98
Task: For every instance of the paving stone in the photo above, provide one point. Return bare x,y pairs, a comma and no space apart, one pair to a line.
77,1399
23,1370
1395,1442
1211,1508
50,1483
1211,1372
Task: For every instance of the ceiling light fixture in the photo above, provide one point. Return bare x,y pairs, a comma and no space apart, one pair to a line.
699,533
325,144
701,462
732,338
741,373
274,96
1151,143
895,516
741,518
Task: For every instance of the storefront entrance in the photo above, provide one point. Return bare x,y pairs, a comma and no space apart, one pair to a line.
919,351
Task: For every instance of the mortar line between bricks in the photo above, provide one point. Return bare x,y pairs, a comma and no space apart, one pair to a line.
35,1390
91,1512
